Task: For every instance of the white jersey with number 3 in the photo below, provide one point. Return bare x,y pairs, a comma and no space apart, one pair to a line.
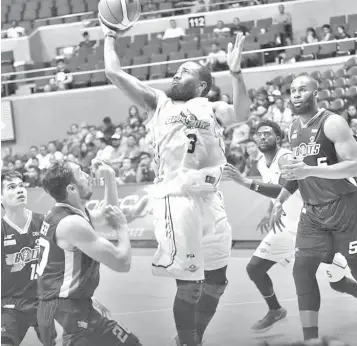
188,145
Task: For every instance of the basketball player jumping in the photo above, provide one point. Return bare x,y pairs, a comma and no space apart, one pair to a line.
70,255
324,159
279,247
20,229
191,224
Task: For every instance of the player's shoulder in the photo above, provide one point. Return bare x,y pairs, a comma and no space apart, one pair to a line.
283,151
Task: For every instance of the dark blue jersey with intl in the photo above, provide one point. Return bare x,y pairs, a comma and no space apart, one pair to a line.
310,144
63,273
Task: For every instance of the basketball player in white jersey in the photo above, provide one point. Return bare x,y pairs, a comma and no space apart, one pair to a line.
191,224
279,247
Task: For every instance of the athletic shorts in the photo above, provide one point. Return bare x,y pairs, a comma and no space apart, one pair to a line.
277,247
76,323
329,228
17,316
193,235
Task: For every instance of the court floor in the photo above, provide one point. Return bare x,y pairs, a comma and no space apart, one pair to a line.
143,304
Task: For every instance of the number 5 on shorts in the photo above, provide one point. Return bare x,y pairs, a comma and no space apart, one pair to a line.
353,248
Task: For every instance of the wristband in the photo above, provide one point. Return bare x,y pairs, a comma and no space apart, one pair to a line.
111,34
254,186
234,73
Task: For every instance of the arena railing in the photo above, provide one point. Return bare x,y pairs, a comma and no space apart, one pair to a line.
261,52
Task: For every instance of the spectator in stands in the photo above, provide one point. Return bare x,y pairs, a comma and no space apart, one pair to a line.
310,37
217,58
220,30
353,126
128,130
240,135
7,155
10,166
87,43
341,33
200,6
19,166
127,173
133,113
52,156
226,98
105,150
284,18
151,7
237,27
62,80
132,150
173,31
86,154
352,111
15,30
32,177
109,128
144,172
326,33
73,134
254,155
117,156
280,114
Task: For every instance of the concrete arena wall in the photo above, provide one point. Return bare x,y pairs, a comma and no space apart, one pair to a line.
44,41
44,117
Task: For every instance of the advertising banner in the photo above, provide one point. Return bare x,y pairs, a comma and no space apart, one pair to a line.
245,209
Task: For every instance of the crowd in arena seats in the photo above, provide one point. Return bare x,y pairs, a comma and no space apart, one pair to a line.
126,147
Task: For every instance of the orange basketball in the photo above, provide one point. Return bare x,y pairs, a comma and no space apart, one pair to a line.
119,14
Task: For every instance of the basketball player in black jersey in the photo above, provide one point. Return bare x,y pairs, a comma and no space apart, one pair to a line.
324,160
70,255
20,229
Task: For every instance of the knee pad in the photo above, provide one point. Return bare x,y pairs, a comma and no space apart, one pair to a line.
189,291
336,271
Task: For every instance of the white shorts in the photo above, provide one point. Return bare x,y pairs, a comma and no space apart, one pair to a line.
280,248
277,247
193,235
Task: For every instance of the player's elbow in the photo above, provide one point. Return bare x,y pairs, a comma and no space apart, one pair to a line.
123,262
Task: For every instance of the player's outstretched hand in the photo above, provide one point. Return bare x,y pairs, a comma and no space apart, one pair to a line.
231,172
275,218
234,53
263,225
102,170
101,308
115,217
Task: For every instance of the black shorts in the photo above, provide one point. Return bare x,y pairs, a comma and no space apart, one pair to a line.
76,323
17,316
328,228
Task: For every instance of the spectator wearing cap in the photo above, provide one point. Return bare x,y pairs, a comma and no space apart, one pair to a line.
109,128
117,156
105,150
126,173
280,114
145,174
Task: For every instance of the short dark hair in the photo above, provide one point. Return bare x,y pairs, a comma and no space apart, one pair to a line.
276,128
204,75
7,175
103,140
326,26
85,33
56,179
33,147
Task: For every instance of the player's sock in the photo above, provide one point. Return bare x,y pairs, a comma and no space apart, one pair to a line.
213,288
187,296
206,307
257,270
345,285
308,294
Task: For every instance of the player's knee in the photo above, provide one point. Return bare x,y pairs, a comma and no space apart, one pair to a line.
253,271
189,291
304,273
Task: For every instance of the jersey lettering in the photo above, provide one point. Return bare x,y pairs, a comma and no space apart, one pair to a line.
189,120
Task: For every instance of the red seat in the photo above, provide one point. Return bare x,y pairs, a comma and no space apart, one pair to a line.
188,46
316,75
158,71
309,52
324,95
352,71
327,50
291,53
169,48
351,93
151,50
338,93
324,104
173,67
341,72
328,74
264,23
337,105
352,81
346,48
339,83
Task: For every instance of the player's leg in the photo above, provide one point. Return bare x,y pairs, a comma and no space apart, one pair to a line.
274,248
14,327
312,246
178,231
213,288
336,273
